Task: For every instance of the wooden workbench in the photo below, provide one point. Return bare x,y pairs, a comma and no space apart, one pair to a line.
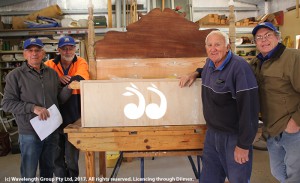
157,141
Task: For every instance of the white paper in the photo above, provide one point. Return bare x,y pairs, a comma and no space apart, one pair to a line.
46,127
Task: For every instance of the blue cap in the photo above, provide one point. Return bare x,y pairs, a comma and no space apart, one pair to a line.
66,40
33,41
267,25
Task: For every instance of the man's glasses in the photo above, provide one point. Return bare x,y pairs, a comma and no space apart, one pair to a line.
262,37
71,48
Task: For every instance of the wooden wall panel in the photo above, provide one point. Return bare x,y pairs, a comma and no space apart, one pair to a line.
159,34
147,68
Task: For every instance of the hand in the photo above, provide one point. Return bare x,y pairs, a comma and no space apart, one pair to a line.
65,79
74,85
292,126
188,80
241,156
42,112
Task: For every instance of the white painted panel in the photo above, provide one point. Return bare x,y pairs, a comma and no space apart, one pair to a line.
144,102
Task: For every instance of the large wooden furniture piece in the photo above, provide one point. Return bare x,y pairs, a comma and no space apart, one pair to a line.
162,44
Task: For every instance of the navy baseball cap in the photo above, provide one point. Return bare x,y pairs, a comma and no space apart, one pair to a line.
66,40
267,25
33,41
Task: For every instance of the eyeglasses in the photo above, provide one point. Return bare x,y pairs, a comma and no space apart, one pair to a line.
68,48
267,36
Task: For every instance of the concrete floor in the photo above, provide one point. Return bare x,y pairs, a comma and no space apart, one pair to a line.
160,167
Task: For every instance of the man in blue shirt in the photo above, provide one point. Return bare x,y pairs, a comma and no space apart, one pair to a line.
230,108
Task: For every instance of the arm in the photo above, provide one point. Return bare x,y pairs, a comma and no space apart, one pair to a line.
82,71
64,92
188,80
293,125
11,101
248,109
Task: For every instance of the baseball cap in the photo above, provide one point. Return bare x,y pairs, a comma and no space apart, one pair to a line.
33,41
66,40
267,25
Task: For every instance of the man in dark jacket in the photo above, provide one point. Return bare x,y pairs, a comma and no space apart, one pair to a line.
230,108
29,91
277,70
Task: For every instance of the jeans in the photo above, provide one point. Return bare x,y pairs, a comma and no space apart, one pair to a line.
66,159
35,152
284,153
59,161
218,159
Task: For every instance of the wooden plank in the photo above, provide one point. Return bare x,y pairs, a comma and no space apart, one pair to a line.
147,68
102,164
133,133
77,128
297,8
133,154
138,143
151,102
90,166
109,13
143,138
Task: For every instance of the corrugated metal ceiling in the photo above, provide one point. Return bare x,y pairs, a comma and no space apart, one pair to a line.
10,2
255,2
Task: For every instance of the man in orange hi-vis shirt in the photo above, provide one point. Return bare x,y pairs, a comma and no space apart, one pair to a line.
69,68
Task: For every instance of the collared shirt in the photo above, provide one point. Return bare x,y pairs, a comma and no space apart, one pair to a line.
268,56
42,67
221,67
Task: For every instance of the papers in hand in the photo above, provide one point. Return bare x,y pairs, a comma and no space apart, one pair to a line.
46,127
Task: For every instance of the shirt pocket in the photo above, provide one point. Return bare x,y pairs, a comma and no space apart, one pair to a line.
275,82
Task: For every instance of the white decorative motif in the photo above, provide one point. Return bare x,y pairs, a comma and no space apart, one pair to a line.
132,111
153,111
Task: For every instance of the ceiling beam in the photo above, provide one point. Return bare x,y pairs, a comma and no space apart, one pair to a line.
252,2
199,9
10,2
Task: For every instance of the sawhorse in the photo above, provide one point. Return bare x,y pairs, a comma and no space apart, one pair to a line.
143,154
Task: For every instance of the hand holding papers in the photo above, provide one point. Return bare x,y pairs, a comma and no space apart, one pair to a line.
46,127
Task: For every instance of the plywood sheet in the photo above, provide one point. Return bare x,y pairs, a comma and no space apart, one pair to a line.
140,102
